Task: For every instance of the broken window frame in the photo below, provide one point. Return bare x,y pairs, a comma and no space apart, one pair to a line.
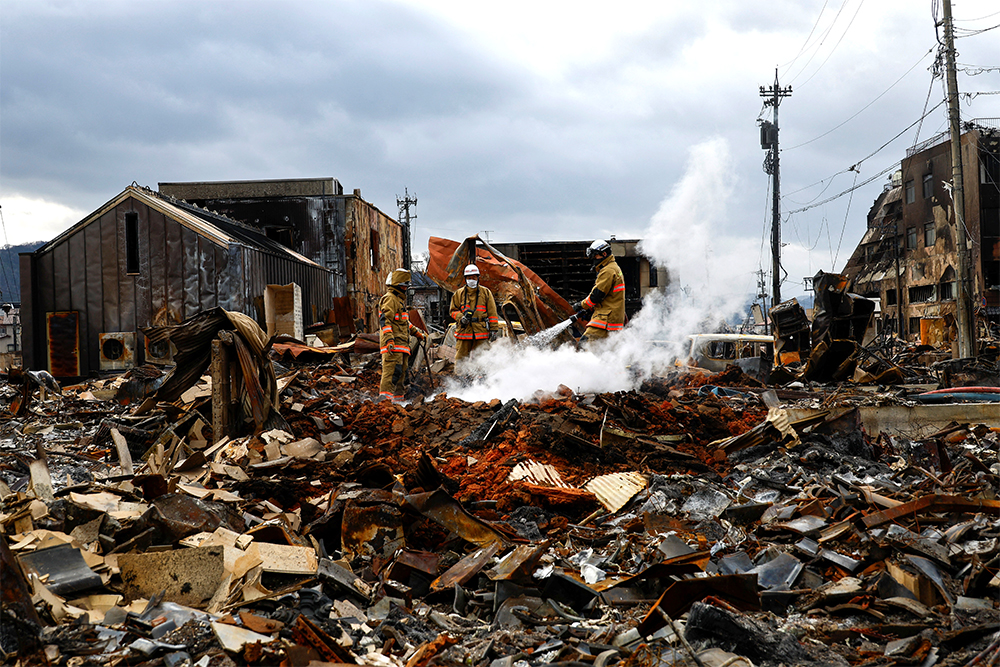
910,190
911,238
922,293
928,186
373,247
930,234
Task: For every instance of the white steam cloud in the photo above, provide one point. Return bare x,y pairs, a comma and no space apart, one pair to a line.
708,284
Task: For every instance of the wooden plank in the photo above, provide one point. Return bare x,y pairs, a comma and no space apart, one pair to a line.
124,455
933,503
220,390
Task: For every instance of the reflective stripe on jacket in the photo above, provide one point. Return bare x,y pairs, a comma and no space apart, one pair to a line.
482,305
607,299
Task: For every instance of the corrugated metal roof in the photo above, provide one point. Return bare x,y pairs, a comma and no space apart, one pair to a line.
541,474
615,490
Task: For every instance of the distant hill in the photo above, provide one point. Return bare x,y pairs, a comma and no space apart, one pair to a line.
10,272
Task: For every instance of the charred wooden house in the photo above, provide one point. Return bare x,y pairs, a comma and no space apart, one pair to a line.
908,255
144,260
356,242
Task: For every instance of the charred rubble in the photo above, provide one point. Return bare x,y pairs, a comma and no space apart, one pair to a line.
263,509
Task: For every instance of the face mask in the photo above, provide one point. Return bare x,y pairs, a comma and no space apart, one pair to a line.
471,283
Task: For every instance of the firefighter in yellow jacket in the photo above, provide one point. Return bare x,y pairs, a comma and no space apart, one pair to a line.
475,313
607,299
394,335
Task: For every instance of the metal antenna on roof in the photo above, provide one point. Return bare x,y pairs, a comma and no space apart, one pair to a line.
404,203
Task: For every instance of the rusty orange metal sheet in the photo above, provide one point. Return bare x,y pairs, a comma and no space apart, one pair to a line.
447,260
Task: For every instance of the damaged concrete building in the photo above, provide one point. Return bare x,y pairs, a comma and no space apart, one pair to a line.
908,258
145,260
565,267
352,238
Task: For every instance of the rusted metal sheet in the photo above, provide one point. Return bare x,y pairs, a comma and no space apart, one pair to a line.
63,343
740,590
446,511
372,525
465,569
538,305
518,564
933,503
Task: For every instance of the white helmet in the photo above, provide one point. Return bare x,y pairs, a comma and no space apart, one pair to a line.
471,270
598,246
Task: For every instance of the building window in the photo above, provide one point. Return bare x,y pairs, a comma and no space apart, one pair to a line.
911,238
373,247
131,242
890,297
929,235
914,325
923,294
3,332
947,288
928,186
653,277
910,192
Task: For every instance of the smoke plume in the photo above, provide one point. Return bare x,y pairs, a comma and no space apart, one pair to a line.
708,276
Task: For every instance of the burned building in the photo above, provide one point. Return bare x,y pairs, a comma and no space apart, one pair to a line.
908,256
352,238
565,267
145,260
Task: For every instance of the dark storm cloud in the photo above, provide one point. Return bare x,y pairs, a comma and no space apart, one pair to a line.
89,99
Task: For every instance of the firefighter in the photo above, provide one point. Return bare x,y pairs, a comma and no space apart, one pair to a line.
395,330
607,298
475,313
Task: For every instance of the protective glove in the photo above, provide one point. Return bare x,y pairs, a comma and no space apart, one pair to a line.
466,318
421,336
493,335
577,307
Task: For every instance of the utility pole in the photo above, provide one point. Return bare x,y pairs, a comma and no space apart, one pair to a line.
762,295
405,217
966,333
769,141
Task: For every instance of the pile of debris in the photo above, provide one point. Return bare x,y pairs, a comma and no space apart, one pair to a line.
704,519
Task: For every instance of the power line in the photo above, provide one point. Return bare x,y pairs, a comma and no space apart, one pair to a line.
808,37
862,109
858,164
822,39
842,35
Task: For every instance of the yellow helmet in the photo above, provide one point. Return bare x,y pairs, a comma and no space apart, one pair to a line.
398,278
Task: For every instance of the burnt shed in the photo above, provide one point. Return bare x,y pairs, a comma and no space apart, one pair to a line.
143,260
358,243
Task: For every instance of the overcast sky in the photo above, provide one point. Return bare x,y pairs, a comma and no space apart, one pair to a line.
524,120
